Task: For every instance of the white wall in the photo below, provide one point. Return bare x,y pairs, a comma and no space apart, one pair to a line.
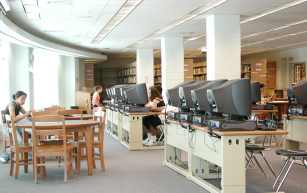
284,58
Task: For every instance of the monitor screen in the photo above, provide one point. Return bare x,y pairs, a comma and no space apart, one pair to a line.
232,97
185,93
300,92
199,95
172,94
137,94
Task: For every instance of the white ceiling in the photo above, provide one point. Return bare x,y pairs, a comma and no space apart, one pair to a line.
77,22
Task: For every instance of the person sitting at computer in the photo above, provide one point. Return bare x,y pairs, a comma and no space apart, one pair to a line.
15,110
152,133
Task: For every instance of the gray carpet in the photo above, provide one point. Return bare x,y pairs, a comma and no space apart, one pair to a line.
135,172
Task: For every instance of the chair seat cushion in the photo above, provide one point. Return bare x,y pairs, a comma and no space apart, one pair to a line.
253,147
291,153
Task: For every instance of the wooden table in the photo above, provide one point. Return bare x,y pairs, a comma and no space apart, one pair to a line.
282,107
225,149
85,126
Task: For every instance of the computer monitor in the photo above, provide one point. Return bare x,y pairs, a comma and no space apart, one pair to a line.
199,95
300,92
116,91
232,97
256,92
172,94
185,94
137,94
123,90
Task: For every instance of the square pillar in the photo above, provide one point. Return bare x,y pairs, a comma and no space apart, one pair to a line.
223,47
172,61
145,66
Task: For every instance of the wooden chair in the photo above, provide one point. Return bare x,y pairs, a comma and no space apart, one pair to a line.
6,126
46,150
19,150
98,142
54,108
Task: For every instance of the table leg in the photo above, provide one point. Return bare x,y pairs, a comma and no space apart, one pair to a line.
25,154
89,149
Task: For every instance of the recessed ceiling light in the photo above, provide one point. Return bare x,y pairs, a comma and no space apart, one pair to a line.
122,13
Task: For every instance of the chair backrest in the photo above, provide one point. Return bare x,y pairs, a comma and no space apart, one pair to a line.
57,128
54,108
70,112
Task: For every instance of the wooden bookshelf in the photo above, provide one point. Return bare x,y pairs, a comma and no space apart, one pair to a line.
157,74
246,71
264,71
199,69
299,72
127,75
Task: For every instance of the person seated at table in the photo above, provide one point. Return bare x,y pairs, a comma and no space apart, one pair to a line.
15,109
151,123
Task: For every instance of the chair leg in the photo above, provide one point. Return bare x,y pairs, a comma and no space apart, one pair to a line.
281,171
250,159
268,164
35,161
285,176
79,156
101,157
16,165
26,161
259,166
12,163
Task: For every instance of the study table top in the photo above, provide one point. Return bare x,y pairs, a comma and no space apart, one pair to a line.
257,111
298,117
26,123
238,133
278,102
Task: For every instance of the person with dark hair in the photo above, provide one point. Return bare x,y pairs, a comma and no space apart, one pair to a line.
16,111
152,122
15,108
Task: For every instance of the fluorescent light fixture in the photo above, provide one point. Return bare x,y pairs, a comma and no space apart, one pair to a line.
195,38
5,4
275,29
275,48
275,38
119,17
269,12
186,18
190,16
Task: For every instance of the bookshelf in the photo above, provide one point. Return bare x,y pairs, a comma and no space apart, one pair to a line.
299,72
199,69
127,75
246,71
157,74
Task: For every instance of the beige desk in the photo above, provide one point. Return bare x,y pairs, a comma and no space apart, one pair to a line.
297,128
127,128
227,151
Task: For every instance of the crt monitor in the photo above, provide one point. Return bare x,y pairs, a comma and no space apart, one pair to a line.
300,92
137,94
199,95
116,91
172,94
185,93
256,92
232,97
123,90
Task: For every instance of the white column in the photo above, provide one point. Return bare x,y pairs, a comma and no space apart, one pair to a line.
172,61
145,66
223,47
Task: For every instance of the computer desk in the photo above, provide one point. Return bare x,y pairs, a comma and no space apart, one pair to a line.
226,151
297,129
127,128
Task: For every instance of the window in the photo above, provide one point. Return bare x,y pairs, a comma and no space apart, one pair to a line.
46,78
